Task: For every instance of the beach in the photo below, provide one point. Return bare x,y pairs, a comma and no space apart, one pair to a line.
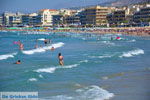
96,66
135,31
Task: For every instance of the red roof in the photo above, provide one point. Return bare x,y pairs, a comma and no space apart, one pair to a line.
43,9
52,10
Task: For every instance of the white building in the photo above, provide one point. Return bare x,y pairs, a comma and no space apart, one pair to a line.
46,16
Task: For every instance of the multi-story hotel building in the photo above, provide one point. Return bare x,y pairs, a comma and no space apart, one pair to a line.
120,17
1,20
6,16
15,20
46,16
12,19
31,19
73,20
142,17
58,20
95,16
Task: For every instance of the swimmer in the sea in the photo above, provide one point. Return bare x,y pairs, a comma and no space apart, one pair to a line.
52,48
18,62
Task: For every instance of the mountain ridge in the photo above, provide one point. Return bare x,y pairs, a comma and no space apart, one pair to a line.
116,3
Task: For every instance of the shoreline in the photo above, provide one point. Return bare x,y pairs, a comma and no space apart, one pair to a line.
132,31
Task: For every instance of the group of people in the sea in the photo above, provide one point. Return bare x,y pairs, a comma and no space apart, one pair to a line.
46,42
20,44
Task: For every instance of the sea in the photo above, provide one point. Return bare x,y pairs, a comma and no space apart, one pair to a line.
96,66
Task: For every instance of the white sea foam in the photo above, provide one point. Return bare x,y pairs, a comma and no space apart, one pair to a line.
108,42
47,70
105,78
41,39
132,40
94,93
32,79
88,93
6,56
132,53
103,56
69,66
83,61
40,76
42,49
52,69
29,52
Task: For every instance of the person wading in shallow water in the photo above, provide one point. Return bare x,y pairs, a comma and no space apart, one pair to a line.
45,41
60,57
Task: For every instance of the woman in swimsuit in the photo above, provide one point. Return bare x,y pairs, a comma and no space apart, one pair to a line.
60,57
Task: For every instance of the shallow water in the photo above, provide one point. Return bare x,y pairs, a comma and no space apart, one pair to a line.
90,61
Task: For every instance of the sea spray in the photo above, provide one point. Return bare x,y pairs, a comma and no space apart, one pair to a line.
132,53
32,79
52,69
87,93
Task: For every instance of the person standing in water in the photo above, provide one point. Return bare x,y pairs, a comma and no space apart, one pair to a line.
60,57
45,41
36,45
21,46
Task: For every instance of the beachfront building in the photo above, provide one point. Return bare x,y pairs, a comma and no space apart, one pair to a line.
119,18
142,17
1,20
58,20
67,18
6,16
15,20
65,12
30,19
95,16
12,19
46,16
72,20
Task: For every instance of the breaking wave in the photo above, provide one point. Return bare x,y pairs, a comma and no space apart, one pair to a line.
32,79
41,39
52,69
102,56
83,61
132,53
6,56
43,49
88,93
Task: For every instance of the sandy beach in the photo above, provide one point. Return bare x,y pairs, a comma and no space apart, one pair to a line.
135,31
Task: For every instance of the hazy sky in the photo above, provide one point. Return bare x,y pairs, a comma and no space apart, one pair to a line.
35,5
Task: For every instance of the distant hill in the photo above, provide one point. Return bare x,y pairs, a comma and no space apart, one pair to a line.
119,3
116,3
